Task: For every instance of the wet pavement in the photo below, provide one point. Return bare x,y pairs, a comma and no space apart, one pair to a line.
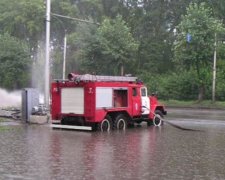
39,152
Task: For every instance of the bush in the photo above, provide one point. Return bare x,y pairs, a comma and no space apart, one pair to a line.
179,86
14,62
220,85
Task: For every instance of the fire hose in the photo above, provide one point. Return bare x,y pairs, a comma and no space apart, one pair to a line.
160,118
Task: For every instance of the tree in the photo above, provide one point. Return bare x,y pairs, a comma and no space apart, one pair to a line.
90,9
14,62
23,19
108,49
117,43
220,85
195,42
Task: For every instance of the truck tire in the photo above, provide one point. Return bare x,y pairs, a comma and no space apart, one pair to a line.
157,121
120,122
105,124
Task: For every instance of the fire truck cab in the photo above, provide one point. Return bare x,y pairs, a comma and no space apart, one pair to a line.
102,103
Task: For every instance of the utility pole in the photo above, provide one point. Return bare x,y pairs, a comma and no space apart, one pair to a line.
214,72
47,52
47,49
64,56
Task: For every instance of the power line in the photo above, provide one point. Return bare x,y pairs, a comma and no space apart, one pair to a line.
72,18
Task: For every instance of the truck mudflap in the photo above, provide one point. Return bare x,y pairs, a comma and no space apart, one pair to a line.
60,126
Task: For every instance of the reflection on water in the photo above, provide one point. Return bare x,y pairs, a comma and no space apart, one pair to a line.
38,152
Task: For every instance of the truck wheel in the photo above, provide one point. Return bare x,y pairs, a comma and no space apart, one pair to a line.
106,124
157,121
120,122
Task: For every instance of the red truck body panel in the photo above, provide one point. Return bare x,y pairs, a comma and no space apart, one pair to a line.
91,101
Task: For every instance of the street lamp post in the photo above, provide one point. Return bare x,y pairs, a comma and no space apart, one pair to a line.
47,52
64,56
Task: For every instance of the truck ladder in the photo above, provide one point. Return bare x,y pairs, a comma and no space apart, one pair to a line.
89,77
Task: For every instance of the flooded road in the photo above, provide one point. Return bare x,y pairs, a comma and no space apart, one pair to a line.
39,152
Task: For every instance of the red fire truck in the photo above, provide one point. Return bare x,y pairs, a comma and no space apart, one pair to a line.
91,102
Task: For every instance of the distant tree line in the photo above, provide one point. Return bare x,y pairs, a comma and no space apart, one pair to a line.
169,44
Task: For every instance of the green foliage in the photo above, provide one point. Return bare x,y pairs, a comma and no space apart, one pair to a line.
90,9
152,25
117,43
220,85
200,24
108,49
22,19
60,26
198,52
14,62
137,36
83,49
180,86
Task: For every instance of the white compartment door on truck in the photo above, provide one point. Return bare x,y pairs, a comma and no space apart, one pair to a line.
145,103
104,97
72,100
